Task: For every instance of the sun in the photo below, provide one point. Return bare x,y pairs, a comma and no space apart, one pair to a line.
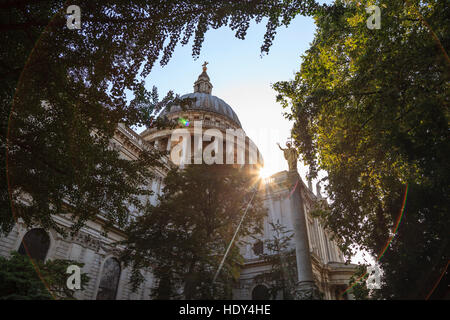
265,172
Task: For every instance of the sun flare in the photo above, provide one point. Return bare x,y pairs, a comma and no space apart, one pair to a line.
265,172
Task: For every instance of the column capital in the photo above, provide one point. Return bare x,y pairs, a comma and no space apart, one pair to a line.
307,290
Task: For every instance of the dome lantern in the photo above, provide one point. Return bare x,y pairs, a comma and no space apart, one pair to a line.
203,85
204,101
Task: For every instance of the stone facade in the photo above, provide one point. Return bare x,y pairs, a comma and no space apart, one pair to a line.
331,274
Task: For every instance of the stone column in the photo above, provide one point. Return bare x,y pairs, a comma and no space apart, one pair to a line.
169,143
306,288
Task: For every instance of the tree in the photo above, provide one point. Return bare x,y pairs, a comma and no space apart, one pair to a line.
20,281
358,285
282,276
371,109
183,238
57,154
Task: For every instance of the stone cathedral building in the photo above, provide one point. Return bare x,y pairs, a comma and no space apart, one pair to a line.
110,280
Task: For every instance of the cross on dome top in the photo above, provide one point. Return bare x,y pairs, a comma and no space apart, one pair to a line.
203,85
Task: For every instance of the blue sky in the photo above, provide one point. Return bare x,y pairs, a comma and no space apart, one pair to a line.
242,78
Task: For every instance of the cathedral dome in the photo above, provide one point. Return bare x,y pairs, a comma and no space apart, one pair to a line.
205,101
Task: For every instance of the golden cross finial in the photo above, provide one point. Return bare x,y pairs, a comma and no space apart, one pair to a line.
204,65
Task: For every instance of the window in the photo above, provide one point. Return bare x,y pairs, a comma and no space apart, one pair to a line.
162,144
37,242
258,248
260,292
109,282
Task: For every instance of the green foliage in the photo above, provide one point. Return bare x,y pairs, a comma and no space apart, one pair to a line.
358,283
184,237
281,257
58,156
23,279
371,109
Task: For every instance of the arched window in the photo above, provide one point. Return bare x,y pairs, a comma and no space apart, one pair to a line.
260,292
37,243
109,282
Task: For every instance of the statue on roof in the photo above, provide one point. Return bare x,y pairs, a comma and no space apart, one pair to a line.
291,155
